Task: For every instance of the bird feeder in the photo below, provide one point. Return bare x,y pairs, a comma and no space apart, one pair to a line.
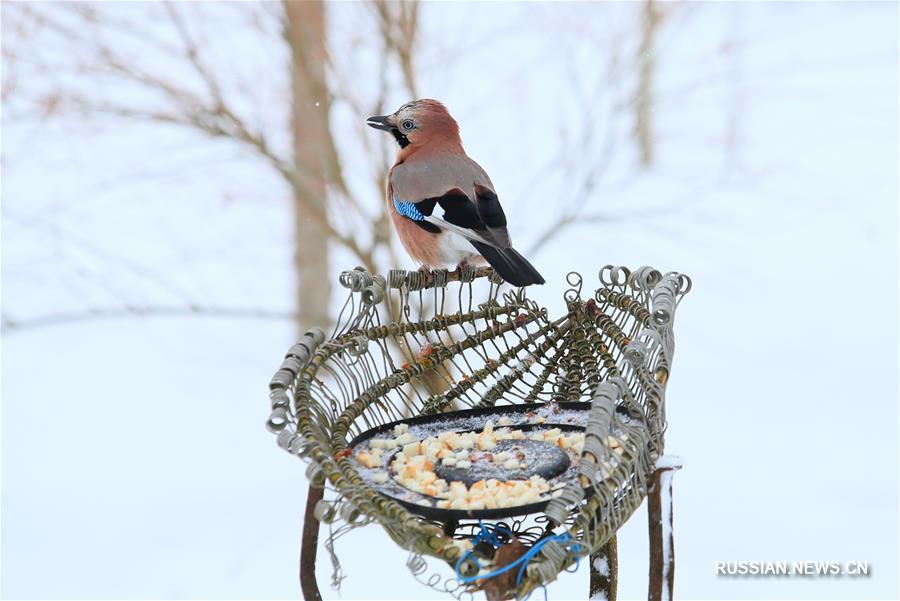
480,431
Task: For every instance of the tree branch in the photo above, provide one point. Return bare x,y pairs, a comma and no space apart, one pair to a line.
11,324
211,116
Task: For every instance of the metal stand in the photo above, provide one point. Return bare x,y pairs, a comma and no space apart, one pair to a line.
603,582
605,572
662,543
309,546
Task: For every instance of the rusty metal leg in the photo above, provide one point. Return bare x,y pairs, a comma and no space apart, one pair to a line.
605,572
662,543
309,546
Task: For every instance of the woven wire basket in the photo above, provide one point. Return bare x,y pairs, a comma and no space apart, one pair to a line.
416,344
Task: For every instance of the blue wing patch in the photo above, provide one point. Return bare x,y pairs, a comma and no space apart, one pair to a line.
408,210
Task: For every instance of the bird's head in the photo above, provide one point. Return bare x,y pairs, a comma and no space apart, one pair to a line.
419,123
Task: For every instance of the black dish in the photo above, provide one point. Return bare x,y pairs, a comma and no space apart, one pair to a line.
460,421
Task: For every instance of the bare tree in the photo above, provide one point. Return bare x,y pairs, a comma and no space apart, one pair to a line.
328,215
398,23
309,165
646,67
314,156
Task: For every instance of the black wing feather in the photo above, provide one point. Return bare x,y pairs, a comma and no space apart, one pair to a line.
489,208
512,267
486,218
461,211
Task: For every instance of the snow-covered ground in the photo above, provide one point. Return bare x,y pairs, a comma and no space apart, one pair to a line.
135,463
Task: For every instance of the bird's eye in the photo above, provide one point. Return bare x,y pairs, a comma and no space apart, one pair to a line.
408,124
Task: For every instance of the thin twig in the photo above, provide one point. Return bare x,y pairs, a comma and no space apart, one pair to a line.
11,324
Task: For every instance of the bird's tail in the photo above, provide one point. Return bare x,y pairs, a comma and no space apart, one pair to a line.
512,267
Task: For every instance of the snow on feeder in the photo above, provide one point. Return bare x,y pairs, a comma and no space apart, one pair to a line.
479,431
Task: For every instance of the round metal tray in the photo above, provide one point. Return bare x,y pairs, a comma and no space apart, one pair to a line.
466,421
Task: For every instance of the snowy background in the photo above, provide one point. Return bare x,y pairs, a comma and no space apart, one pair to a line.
135,462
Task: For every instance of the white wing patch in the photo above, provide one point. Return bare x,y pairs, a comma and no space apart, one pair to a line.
453,249
461,231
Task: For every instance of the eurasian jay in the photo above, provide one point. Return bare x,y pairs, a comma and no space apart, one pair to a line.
441,202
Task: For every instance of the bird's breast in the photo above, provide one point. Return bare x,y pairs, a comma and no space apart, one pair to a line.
432,250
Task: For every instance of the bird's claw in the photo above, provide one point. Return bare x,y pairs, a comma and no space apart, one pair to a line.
429,275
460,267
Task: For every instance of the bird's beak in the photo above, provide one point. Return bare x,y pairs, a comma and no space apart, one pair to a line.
380,123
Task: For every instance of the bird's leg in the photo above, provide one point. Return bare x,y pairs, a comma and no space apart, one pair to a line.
460,266
429,275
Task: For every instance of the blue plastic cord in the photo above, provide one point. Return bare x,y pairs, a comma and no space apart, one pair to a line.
488,534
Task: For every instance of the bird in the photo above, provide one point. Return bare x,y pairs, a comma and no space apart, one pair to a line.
442,204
